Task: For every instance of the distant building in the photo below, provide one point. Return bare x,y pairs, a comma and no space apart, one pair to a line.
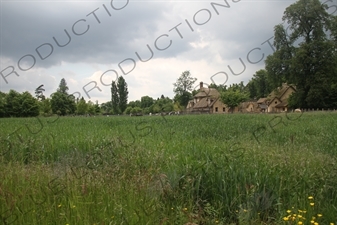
207,100
276,101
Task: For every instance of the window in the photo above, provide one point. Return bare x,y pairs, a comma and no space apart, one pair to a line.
275,102
216,109
224,109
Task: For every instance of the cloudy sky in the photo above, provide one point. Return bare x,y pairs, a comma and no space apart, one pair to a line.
148,42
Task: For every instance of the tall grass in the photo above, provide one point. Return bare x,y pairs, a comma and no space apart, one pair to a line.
202,169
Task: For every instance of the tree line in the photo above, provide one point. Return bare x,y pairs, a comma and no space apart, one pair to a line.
305,56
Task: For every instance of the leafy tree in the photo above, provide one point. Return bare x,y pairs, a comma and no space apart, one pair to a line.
2,104
119,95
45,107
12,104
128,110
136,110
61,102
114,98
122,93
146,101
82,107
306,57
91,108
184,98
39,92
63,88
29,105
233,98
97,108
259,86
183,87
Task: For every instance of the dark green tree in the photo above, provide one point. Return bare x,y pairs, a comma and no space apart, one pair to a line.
146,101
306,56
114,98
12,104
39,92
2,104
123,93
29,105
183,87
82,107
63,88
61,102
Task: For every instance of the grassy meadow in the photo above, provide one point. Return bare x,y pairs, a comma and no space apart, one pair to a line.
183,170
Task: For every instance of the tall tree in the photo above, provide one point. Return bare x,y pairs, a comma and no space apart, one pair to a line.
63,87
114,98
82,107
183,87
122,93
61,102
39,92
306,57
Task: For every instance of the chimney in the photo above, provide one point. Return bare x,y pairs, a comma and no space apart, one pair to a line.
201,85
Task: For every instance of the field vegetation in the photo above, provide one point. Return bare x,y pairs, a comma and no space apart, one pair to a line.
188,169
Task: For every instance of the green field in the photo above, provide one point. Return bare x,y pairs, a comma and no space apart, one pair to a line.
187,169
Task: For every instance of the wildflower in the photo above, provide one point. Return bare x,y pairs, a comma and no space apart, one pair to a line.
285,218
299,216
300,223
332,224
59,205
312,204
310,197
315,223
319,215
216,221
185,209
289,211
312,221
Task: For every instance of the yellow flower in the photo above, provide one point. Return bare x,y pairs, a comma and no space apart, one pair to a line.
319,215
285,218
216,221
332,224
300,223
59,205
289,211
315,223
299,216
185,209
312,221
312,204
310,197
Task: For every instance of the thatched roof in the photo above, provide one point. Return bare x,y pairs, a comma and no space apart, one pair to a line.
261,100
203,103
279,92
207,92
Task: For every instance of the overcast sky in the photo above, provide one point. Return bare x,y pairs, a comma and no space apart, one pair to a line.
148,42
